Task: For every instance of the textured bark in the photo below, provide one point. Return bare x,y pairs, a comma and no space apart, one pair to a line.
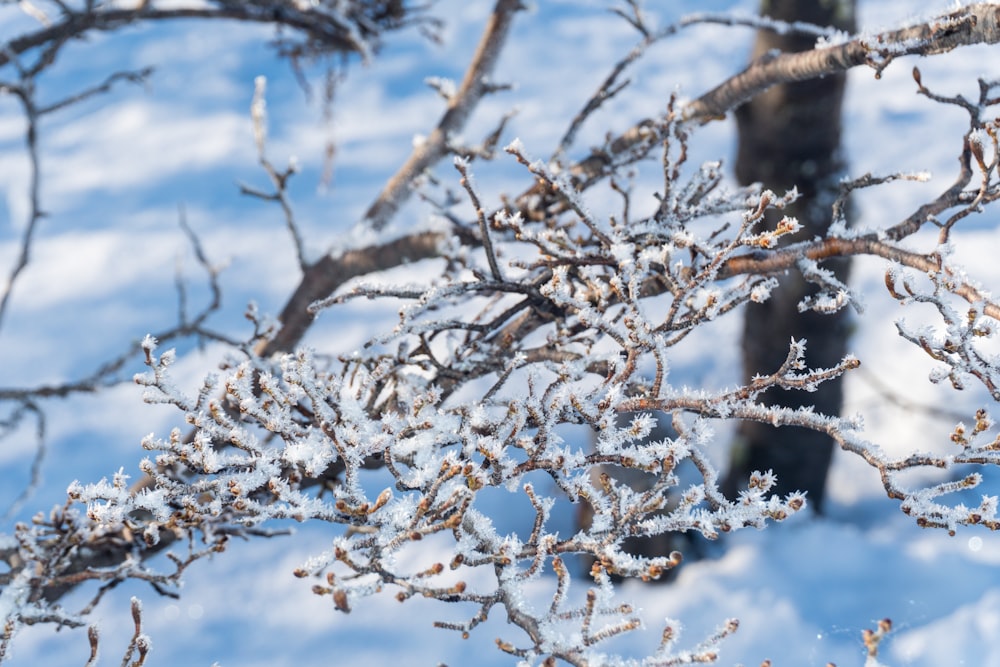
789,136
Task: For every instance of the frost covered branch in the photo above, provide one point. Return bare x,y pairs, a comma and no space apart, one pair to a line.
613,299
542,317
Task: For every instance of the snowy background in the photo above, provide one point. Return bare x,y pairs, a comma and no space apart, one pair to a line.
118,168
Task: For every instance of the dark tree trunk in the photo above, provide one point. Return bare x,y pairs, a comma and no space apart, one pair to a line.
790,136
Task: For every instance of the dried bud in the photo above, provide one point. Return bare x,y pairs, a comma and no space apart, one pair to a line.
382,499
506,647
340,600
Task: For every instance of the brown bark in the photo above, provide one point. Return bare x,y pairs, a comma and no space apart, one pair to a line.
789,136
975,24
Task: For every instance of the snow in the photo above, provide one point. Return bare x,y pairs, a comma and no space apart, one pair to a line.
803,591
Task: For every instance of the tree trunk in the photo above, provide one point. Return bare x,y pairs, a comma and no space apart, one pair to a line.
790,136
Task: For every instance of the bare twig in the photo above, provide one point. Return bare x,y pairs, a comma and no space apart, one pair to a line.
484,231
24,407
279,179
25,94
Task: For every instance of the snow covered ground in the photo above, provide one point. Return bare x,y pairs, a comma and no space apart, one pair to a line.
118,167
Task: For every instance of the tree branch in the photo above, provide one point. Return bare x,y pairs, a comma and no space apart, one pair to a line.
322,28
322,278
783,259
976,24
475,85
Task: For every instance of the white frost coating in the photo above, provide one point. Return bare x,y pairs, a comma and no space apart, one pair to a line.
835,38
981,141
624,253
444,86
515,146
14,598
